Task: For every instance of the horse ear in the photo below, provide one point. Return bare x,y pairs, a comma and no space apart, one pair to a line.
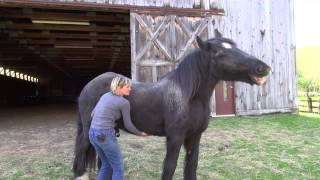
201,43
217,33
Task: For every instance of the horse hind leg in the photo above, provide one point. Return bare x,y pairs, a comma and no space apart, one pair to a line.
191,159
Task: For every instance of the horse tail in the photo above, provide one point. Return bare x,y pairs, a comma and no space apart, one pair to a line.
85,154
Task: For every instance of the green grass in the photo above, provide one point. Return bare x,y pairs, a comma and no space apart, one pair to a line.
34,168
271,147
279,146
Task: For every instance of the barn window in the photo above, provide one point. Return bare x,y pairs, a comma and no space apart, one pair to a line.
225,91
7,72
12,74
18,75
1,71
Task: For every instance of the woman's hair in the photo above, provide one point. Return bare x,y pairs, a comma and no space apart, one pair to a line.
118,82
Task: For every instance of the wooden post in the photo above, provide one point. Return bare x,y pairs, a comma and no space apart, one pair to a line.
134,73
154,74
309,105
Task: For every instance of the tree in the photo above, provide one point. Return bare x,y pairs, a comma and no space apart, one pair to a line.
308,84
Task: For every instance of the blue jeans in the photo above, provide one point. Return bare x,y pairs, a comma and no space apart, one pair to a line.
108,150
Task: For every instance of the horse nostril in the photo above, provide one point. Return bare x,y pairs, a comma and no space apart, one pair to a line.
260,69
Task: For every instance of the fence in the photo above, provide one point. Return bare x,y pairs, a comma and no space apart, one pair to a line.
309,105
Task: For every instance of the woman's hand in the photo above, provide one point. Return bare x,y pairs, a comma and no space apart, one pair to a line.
143,134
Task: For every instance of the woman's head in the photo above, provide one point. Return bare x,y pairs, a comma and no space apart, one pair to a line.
120,86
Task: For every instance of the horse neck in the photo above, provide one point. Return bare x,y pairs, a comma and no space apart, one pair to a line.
193,75
206,88
208,83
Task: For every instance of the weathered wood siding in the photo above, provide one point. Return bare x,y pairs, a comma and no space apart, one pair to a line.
266,30
155,3
159,43
263,28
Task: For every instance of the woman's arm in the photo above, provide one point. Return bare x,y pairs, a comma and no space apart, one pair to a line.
125,110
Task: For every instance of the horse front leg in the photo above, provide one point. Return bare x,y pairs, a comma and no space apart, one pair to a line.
191,159
173,148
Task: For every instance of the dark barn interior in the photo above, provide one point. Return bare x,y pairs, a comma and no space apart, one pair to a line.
47,55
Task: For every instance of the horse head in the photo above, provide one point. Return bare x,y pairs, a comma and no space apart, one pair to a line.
227,62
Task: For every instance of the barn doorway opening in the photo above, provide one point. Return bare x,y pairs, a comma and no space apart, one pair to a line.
61,48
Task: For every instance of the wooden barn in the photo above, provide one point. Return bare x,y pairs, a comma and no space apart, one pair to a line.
50,48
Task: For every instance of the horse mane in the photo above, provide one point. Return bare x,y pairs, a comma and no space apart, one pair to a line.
190,72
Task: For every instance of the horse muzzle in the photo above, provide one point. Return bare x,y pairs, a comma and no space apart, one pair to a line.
262,73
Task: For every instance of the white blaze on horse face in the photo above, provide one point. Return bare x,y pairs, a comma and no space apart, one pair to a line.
226,45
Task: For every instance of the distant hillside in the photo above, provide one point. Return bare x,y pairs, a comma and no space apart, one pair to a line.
308,61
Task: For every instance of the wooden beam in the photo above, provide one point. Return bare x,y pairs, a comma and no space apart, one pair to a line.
65,43
89,6
58,27
72,35
65,16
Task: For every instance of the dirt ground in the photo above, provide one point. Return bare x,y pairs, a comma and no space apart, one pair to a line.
43,130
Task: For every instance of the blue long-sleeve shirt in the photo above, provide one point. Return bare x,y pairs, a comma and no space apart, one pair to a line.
109,108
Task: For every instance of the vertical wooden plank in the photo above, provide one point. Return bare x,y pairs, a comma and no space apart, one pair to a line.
276,64
173,46
292,57
254,49
213,97
159,3
265,48
206,4
195,4
167,3
154,73
268,56
133,46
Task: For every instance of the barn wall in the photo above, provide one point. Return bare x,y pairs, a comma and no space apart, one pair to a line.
266,30
263,28
155,3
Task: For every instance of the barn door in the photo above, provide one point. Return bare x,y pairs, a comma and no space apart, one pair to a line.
224,93
159,43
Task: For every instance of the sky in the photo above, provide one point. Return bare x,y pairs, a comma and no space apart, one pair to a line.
307,22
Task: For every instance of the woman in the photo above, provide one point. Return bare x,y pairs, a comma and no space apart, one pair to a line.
109,108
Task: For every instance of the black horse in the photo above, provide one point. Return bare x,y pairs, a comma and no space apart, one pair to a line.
177,106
